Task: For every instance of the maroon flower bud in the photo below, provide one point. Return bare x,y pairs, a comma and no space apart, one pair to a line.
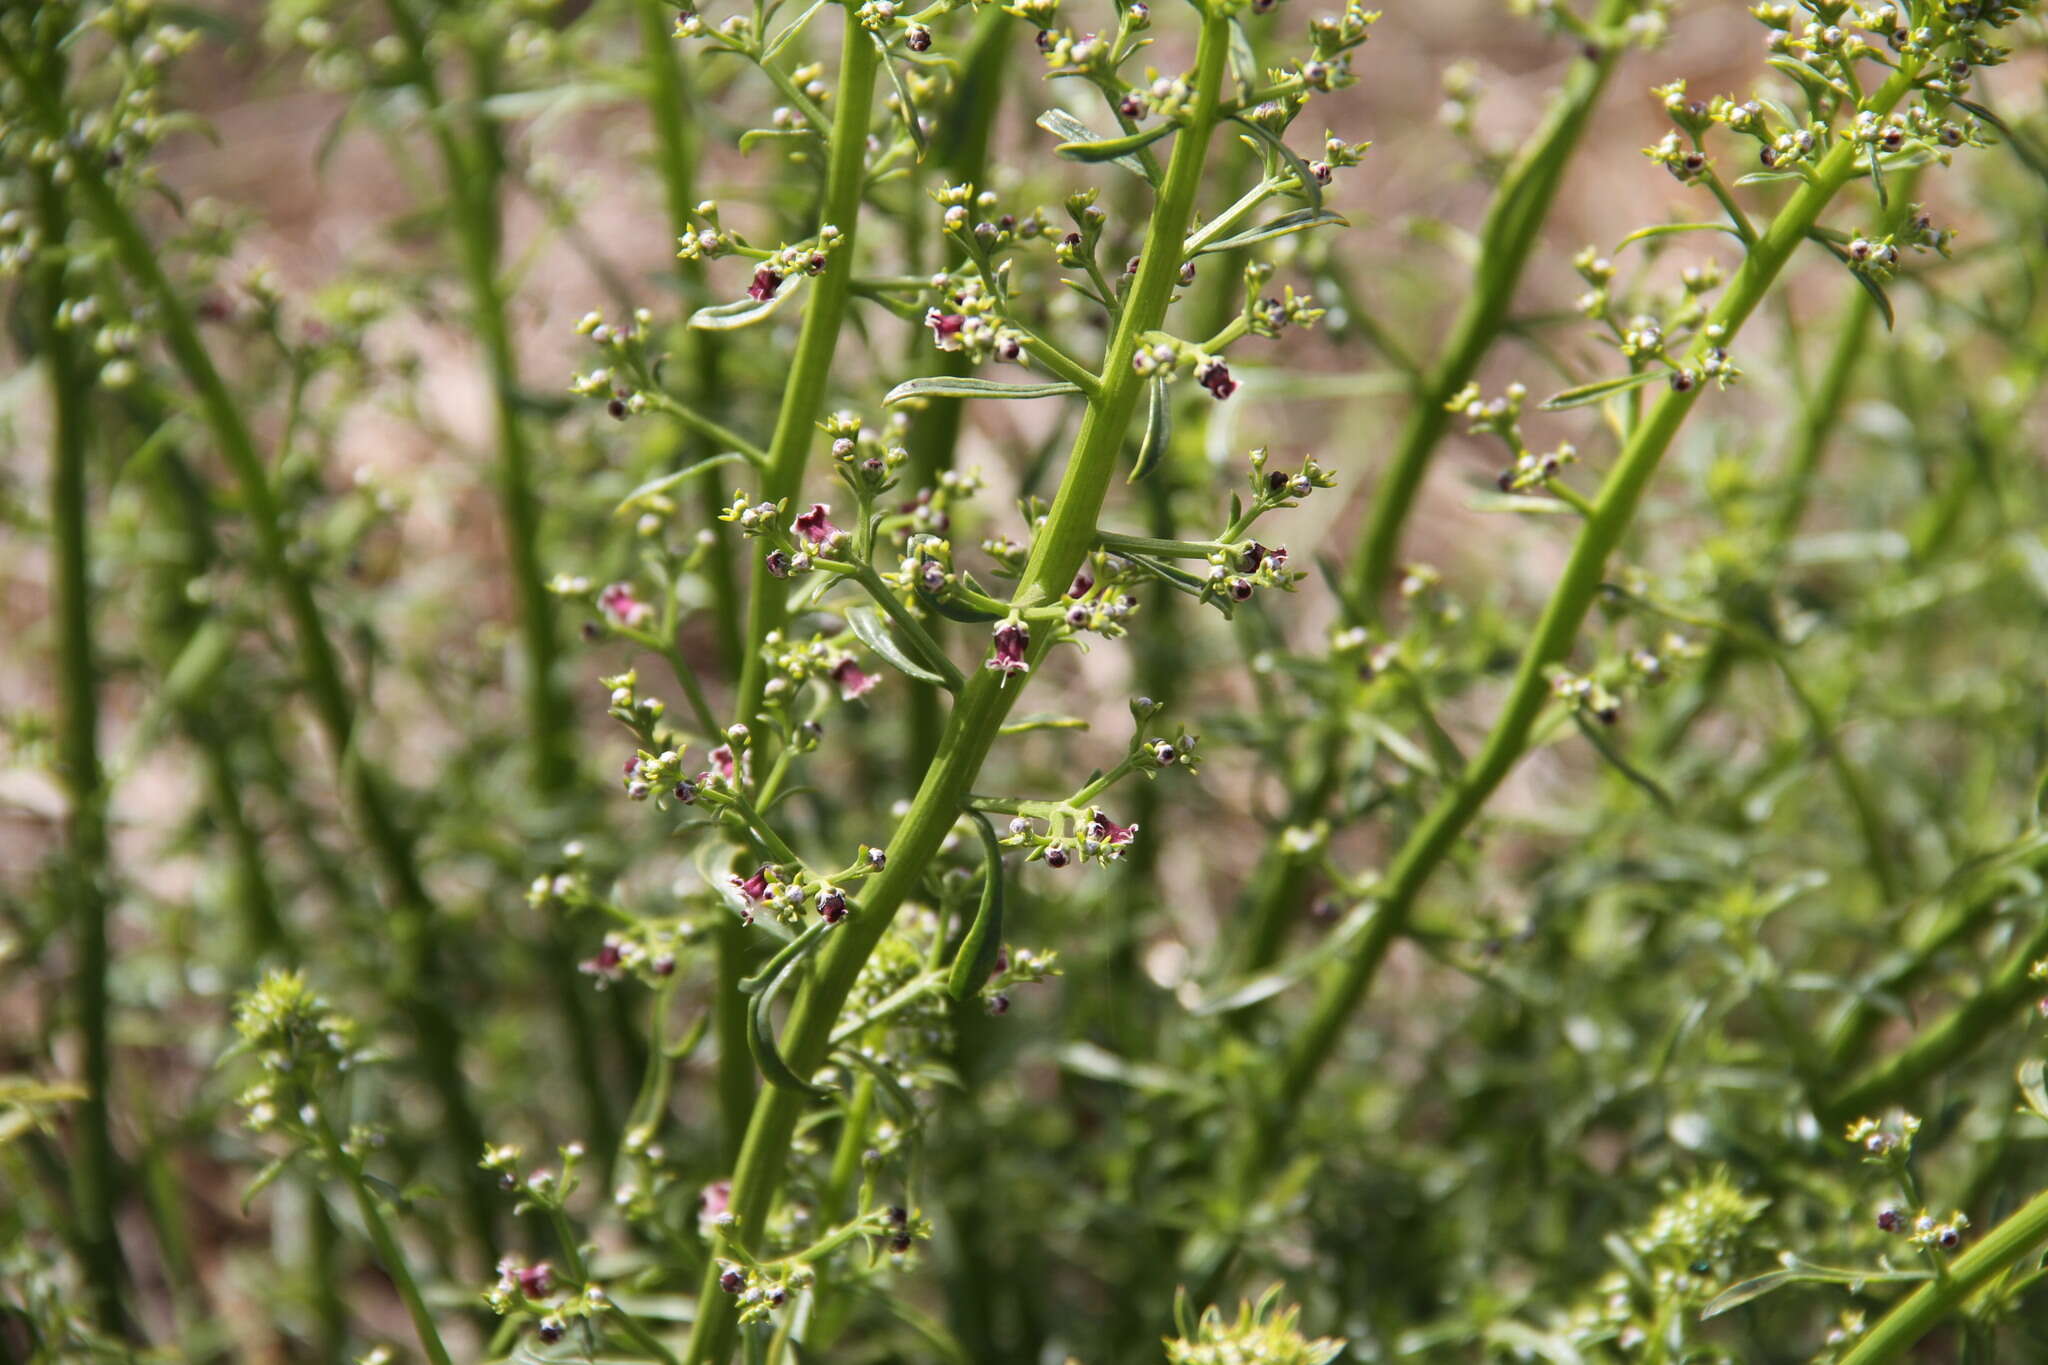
754,888
714,1199
1949,1239
1890,1220
617,409
1240,590
777,563
945,328
549,1331
832,905
632,767
618,603
732,1281
1009,349
777,1296
766,282
1131,266
1164,754
998,1005
721,761
1057,858
919,39
1012,639
1044,39
1072,241
1682,381
1253,555
537,1281
815,526
1322,171
1215,377
1132,107
852,681
1078,616
899,1245
1276,479
684,791
1083,583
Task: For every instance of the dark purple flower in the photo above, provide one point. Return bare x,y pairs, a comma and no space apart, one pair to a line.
1109,831
1057,858
754,888
832,905
778,563
721,761
945,328
1012,638
766,282
537,1281
732,1281
919,39
1083,581
1889,1220
852,682
815,526
1215,377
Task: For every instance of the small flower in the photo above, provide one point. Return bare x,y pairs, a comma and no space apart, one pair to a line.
815,526
1890,1219
778,564
1108,831
617,602
852,681
537,1281
766,282
832,905
945,328
1012,639
1214,376
714,1200
1057,858
732,1281
754,888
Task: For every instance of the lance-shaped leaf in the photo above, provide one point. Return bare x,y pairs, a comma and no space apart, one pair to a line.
977,955
947,386
1111,148
662,483
1599,390
1158,431
1666,229
866,623
727,317
1311,188
761,1031
1067,128
1298,221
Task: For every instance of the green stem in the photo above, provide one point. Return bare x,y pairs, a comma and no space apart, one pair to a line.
2002,1249
971,730
412,913
95,1173
1514,220
817,343
381,1237
1433,840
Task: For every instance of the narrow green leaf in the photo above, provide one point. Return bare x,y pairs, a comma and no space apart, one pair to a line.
1611,751
868,625
1770,177
953,609
1753,1288
1298,221
948,386
1067,128
1311,188
761,1042
909,106
796,26
667,481
1599,390
977,955
264,1179
1158,431
728,317
1666,229
1111,148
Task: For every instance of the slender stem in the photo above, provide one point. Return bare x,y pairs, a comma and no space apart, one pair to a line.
1432,841
95,1174
1514,220
2004,1247
972,728
412,917
381,1237
817,343
703,426
928,649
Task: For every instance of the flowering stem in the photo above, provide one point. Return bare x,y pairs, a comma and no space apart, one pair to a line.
971,729
381,1237
1432,841
412,912
928,649
811,367
2003,1248
1514,219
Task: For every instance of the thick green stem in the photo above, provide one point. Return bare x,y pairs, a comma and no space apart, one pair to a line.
971,730
1433,840
95,1172
2002,1248
818,341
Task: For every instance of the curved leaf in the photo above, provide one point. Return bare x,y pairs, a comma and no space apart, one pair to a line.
1158,431
1069,129
1298,221
761,1033
1666,229
1600,389
1110,148
866,623
984,940
948,386
727,317
1311,188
